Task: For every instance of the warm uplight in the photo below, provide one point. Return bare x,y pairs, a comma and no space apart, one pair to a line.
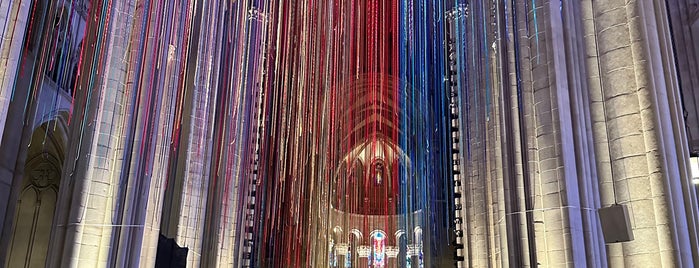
694,164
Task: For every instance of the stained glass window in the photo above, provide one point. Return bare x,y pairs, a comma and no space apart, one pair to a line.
379,250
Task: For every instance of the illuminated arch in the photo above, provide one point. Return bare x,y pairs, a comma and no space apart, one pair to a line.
417,232
337,233
399,233
358,234
378,248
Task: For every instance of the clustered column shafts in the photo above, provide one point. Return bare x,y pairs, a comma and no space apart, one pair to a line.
555,104
633,110
16,16
362,133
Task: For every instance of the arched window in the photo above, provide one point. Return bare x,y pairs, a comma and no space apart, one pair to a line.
418,246
378,171
403,258
378,249
354,241
348,193
37,10
56,58
38,197
335,247
332,254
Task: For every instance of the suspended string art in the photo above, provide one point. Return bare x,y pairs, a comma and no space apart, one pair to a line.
349,173
281,133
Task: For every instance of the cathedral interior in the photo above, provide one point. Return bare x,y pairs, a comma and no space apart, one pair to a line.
349,133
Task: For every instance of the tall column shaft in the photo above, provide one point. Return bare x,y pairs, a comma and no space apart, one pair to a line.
13,21
14,18
644,167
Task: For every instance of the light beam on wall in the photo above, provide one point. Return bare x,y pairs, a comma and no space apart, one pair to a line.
694,164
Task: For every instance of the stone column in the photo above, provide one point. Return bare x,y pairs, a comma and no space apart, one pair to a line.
186,194
574,18
636,81
14,18
557,211
13,21
519,54
121,129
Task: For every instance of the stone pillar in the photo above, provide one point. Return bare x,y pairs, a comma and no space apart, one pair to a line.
13,21
14,17
636,81
549,225
186,194
614,252
92,168
20,77
475,206
579,121
520,64
497,231
557,211
121,132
